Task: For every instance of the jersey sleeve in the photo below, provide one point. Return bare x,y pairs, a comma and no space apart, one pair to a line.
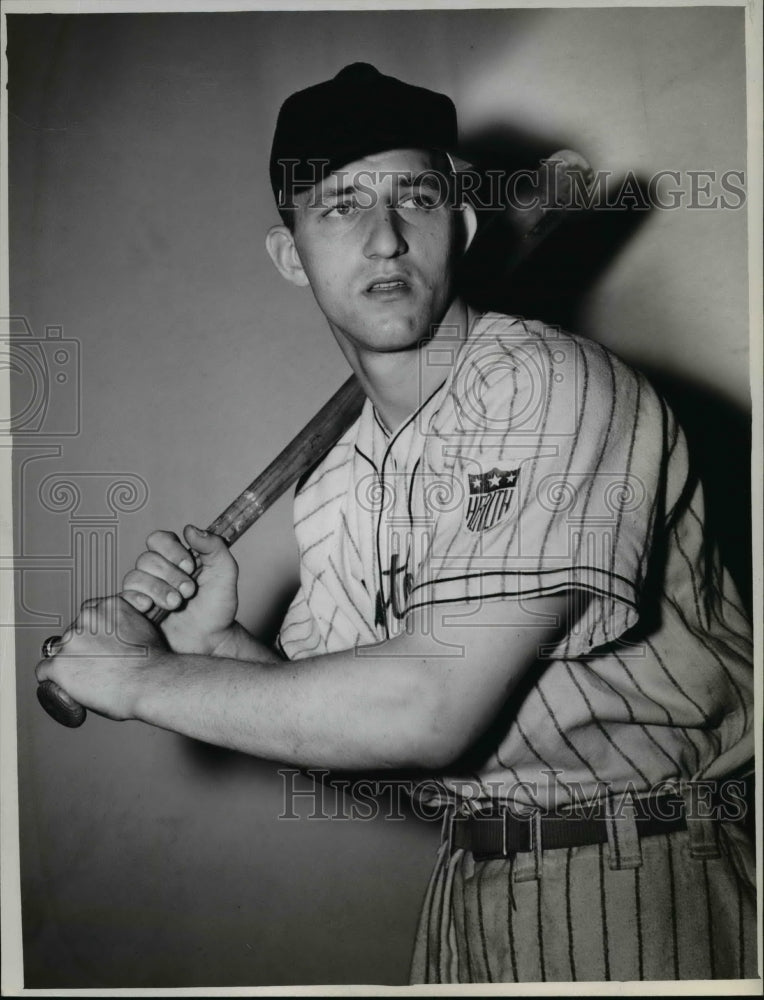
549,472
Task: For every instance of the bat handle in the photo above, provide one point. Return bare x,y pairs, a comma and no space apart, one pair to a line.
56,701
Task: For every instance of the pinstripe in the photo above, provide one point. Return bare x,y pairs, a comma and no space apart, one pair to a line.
565,715
725,598
474,546
719,660
349,536
341,582
691,568
439,918
386,455
659,498
564,738
432,892
709,919
311,513
314,480
510,921
568,917
535,752
703,715
534,461
313,583
641,725
616,842
318,541
598,725
508,767
481,924
603,913
594,472
627,473
740,926
330,626
680,729
638,908
540,927
672,908
291,625
569,463
306,650
510,411
467,949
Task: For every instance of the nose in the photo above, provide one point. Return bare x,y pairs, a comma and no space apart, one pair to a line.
385,237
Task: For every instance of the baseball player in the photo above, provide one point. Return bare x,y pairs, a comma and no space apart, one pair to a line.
505,580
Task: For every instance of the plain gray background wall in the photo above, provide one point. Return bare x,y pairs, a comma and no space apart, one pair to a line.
139,200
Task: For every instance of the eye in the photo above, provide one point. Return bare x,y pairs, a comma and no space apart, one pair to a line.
341,210
423,200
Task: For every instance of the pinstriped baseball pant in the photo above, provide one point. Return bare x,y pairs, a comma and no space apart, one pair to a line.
677,906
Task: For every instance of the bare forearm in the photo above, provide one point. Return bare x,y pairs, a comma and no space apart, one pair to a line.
329,712
239,644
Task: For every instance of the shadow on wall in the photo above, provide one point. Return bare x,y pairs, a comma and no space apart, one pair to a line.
553,285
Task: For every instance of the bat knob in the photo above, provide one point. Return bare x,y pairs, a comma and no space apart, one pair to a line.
54,699
60,706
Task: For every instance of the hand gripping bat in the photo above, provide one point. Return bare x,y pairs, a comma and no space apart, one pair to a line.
531,225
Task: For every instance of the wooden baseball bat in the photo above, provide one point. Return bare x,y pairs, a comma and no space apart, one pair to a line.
323,430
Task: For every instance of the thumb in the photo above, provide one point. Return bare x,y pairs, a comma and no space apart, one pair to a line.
211,547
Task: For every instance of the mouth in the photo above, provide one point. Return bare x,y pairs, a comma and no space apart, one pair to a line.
388,284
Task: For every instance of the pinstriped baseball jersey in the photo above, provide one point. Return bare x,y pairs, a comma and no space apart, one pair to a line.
541,464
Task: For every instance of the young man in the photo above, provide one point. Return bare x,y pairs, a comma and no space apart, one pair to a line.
504,580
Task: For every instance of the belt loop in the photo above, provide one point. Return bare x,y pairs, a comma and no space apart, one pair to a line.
624,848
702,828
527,866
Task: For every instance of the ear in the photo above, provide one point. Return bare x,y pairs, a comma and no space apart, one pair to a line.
469,224
279,242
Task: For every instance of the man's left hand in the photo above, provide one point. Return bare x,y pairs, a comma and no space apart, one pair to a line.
102,658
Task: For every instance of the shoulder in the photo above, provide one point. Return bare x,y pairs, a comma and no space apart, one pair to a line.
529,373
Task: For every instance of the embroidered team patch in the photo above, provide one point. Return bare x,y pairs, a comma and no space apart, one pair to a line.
490,497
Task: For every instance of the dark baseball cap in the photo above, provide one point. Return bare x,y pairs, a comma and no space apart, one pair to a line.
358,112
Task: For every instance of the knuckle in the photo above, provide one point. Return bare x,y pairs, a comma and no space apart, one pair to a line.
132,580
159,538
146,561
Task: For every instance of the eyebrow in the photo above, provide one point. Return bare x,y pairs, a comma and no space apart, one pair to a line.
422,178
341,193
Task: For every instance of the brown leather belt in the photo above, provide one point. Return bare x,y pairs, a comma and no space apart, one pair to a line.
502,834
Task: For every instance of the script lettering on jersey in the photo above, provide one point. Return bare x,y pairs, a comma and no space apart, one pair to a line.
400,584
490,497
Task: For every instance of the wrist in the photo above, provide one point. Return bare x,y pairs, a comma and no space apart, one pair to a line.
150,678
228,642
236,643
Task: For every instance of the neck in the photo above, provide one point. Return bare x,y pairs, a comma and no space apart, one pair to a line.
399,382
